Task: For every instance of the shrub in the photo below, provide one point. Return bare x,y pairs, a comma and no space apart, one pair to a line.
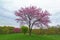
6,29
1,31
16,30
24,29
11,29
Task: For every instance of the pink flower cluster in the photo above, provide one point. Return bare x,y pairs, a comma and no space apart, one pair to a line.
16,30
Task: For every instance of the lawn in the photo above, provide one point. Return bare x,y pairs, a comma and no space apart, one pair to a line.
27,37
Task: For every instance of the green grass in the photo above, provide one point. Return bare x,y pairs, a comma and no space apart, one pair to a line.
27,37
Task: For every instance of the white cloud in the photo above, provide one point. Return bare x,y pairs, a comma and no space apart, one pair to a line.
52,6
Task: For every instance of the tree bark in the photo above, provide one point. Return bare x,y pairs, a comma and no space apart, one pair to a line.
30,32
41,28
29,28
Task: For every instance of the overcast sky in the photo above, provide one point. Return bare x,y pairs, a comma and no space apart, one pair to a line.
7,8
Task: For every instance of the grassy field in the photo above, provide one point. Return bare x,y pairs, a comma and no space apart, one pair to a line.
27,37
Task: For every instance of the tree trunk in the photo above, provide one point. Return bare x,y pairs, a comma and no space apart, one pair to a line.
41,29
30,32
30,28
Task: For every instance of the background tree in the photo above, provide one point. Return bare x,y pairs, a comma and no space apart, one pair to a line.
24,29
32,16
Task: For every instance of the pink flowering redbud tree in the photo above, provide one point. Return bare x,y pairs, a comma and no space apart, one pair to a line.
32,16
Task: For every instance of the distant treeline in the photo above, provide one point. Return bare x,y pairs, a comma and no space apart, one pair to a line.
11,29
50,30
8,30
